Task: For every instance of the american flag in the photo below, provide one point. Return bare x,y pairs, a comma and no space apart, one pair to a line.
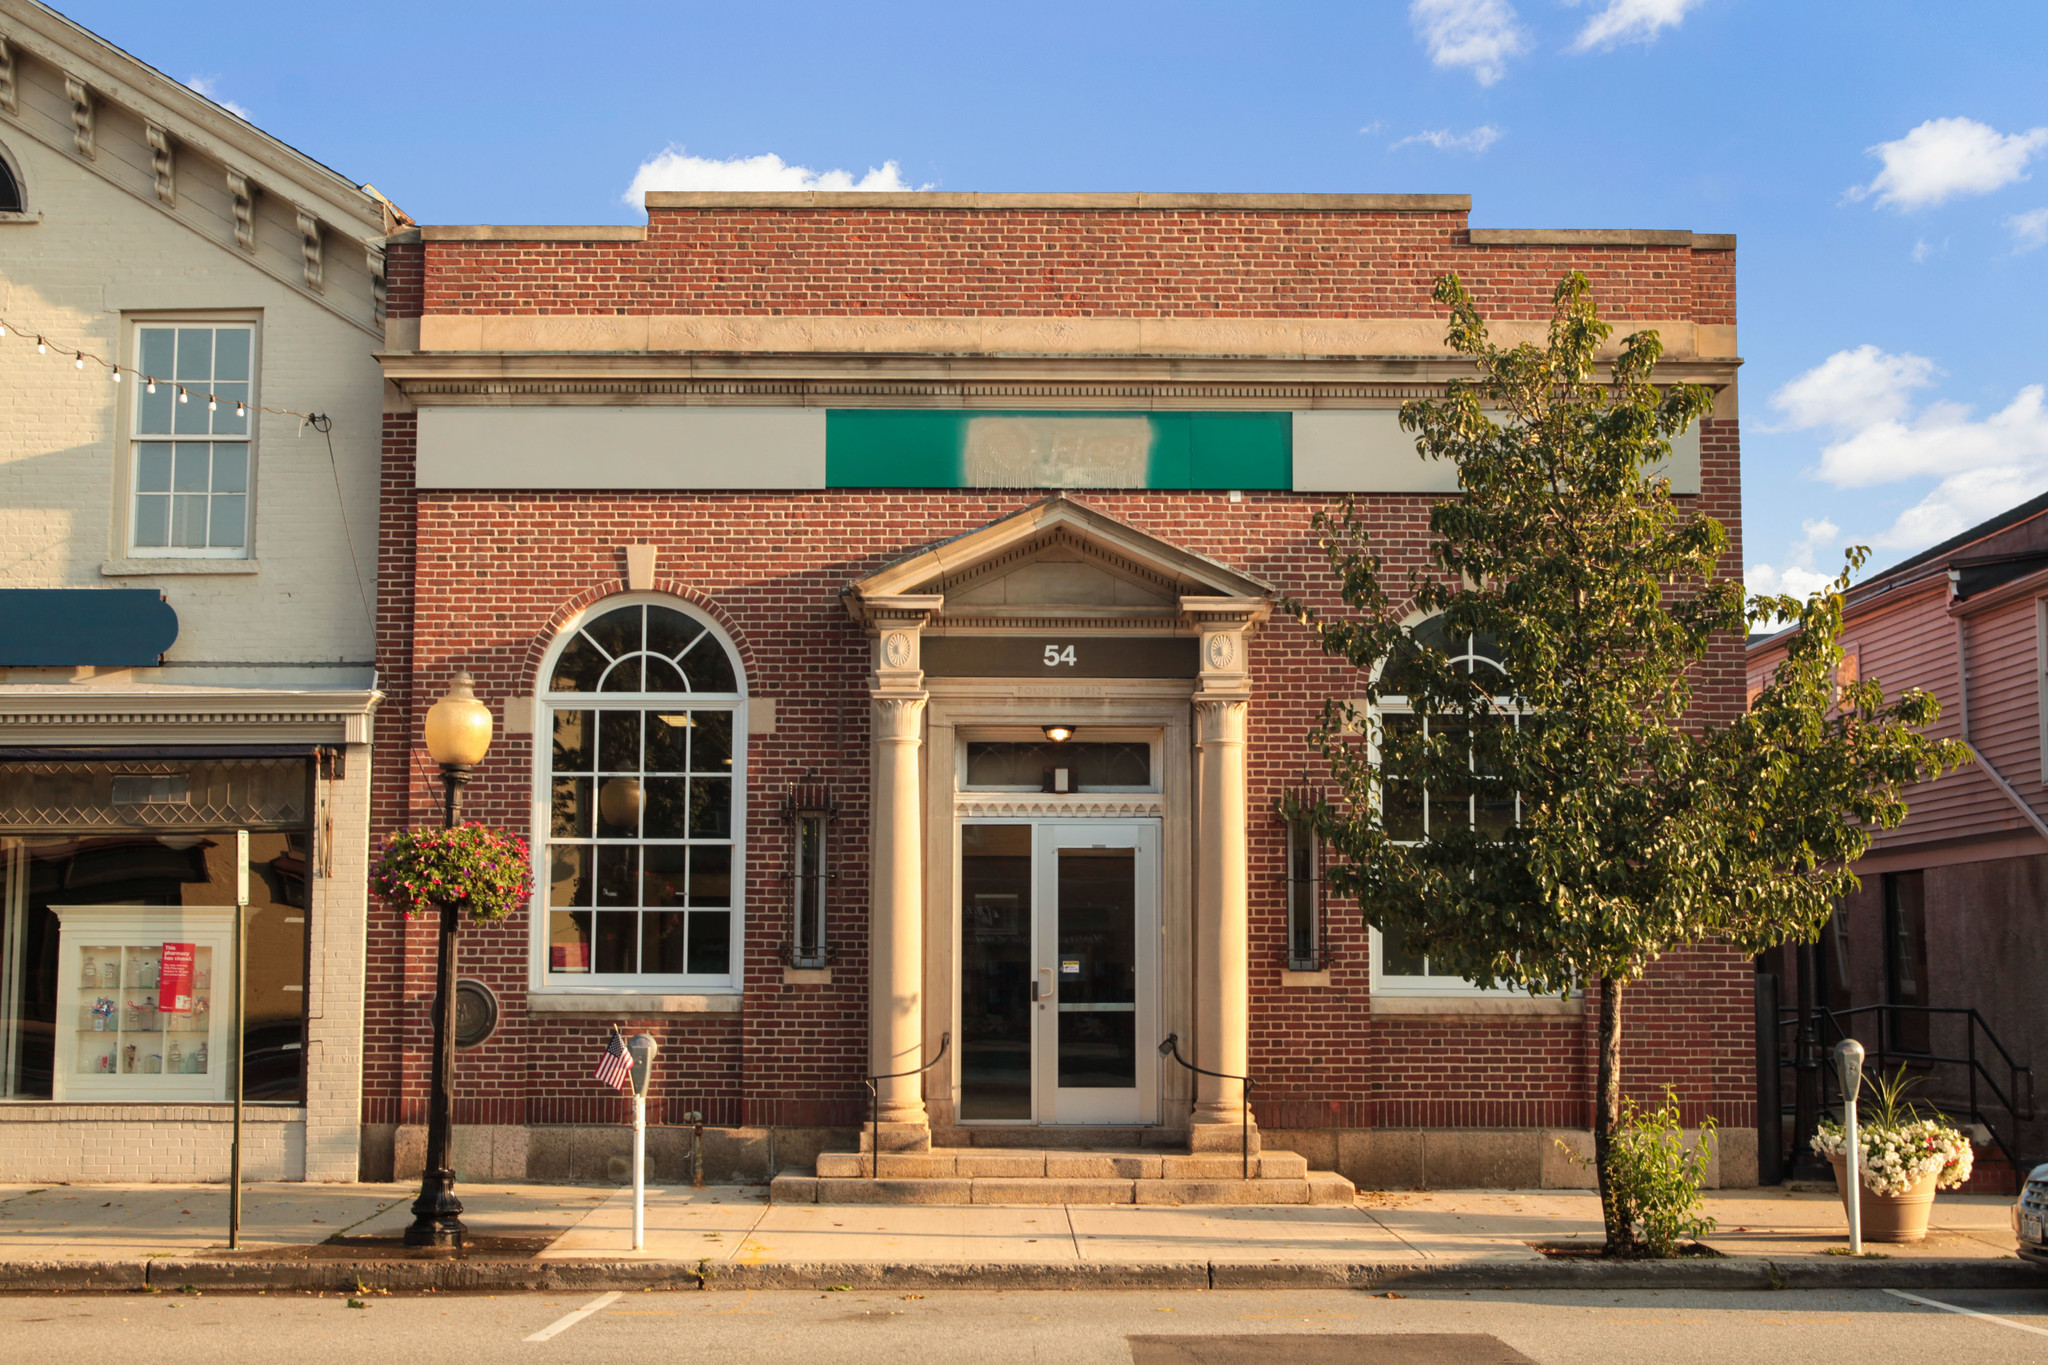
615,1068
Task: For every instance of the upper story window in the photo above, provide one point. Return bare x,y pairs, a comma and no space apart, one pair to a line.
192,455
643,800
1413,813
11,200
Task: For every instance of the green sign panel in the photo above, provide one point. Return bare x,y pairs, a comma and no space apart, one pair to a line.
885,448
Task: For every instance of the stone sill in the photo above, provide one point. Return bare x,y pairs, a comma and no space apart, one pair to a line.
1477,1006
806,976
1293,980
141,1111
141,568
23,218
629,1004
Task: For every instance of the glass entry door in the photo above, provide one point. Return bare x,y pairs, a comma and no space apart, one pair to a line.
1059,930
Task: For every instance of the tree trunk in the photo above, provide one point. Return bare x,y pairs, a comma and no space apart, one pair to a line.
1606,1114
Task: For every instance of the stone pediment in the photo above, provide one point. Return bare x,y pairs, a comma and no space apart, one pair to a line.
1055,561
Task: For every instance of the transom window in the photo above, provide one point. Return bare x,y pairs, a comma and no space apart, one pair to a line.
193,387
643,787
1095,766
1412,813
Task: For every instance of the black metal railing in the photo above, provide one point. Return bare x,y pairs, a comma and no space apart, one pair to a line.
1976,1091
1171,1048
875,1103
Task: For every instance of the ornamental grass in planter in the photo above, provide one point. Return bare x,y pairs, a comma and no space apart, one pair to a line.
1903,1156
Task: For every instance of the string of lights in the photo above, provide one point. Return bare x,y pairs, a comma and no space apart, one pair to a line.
79,356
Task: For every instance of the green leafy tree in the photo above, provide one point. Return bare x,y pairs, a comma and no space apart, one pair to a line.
1563,819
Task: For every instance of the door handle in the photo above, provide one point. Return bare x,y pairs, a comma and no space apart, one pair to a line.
1046,993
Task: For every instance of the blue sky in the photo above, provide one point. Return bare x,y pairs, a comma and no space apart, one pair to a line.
1884,164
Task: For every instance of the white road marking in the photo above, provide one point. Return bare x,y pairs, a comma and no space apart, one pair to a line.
1969,1312
596,1305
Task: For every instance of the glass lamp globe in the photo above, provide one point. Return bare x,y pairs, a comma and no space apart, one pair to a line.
620,801
459,726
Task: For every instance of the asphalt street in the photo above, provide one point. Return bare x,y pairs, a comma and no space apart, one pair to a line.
1868,1327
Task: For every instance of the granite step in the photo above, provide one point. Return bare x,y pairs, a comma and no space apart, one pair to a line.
1024,1176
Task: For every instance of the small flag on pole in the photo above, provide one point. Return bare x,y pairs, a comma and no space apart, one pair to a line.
615,1068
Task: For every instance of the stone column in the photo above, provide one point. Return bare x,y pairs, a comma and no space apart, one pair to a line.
895,869
896,915
1222,925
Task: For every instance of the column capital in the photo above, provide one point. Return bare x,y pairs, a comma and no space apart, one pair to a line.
899,717
1220,719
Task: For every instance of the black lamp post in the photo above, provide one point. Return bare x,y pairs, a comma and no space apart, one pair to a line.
458,736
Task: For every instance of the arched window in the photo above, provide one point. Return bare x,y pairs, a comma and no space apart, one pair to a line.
12,200
1412,813
642,799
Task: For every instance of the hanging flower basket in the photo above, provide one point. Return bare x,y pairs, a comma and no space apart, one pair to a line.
486,871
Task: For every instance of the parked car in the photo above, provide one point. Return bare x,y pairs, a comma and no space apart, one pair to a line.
2030,1216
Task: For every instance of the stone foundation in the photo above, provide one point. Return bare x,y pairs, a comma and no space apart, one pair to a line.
1486,1158
1372,1158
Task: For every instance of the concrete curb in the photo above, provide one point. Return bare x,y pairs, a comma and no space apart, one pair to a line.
596,1276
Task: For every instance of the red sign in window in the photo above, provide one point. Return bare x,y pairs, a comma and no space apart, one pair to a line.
174,984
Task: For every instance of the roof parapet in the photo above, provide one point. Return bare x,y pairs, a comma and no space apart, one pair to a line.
921,199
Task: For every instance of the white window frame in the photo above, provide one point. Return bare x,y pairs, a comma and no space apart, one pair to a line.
542,979
1431,986
134,381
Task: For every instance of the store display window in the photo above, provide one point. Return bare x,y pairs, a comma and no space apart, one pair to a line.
116,966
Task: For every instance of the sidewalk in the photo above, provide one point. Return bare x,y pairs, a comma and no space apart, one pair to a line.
113,1237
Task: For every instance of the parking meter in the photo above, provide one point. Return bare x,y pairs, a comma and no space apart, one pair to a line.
641,1047
1849,1066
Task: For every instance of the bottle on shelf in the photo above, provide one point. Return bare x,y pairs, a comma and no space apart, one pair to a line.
177,1058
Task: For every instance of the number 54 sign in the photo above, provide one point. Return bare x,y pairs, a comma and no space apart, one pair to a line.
1059,656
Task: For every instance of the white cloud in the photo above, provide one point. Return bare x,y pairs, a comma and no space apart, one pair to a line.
676,169
1797,576
1375,126
1630,21
1792,579
1479,34
1851,390
2029,230
209,86
1945,158
1924,250
1863,399
1444,140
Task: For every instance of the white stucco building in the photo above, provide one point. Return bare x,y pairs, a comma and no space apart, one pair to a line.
186,578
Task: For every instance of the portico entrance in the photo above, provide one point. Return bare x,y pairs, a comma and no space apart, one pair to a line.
1058,953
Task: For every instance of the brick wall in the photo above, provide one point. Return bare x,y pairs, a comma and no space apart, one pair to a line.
483,581
495,576
1041,262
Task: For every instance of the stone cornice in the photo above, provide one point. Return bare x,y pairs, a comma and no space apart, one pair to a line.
855,380
64,715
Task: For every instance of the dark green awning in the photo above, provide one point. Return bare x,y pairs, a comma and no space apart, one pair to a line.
67,627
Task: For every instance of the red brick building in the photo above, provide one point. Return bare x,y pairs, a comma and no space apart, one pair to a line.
778,532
